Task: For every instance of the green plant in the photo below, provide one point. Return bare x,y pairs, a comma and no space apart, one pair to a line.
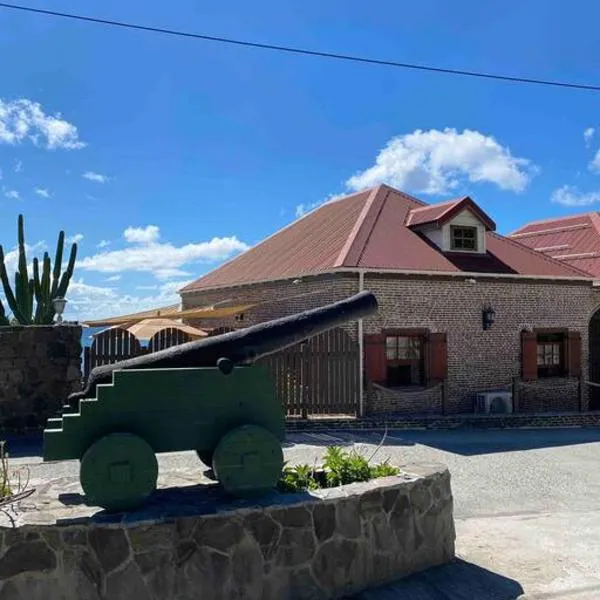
297,479
340,468
345,467
5,489
40,286
4,322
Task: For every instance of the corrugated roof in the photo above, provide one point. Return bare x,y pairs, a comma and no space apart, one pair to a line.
573,240
369,230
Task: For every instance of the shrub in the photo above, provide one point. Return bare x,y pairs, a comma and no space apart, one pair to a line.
339,468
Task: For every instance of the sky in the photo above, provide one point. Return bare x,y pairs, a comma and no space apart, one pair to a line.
163,156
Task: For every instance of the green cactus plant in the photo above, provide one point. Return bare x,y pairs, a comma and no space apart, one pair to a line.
40,288
4,322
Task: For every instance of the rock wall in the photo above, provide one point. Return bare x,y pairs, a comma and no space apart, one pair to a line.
321,545
39,367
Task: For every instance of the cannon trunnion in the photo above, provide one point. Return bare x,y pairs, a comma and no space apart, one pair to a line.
230,415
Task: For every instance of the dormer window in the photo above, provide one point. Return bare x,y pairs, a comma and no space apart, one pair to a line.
463,238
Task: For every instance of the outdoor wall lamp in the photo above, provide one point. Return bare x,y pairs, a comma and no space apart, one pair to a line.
488,315
59,307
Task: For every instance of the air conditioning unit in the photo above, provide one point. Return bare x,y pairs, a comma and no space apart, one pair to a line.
494,402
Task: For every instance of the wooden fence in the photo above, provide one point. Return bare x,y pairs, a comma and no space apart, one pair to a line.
319,377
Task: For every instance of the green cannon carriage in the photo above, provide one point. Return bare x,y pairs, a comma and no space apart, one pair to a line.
204,395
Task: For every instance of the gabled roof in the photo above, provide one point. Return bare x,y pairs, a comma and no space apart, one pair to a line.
443,212
573,240
368,230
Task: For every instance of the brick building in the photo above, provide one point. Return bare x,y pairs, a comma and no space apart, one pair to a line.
573,240
462,309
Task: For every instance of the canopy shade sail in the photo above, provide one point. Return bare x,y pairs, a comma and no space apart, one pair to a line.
173,312
144,330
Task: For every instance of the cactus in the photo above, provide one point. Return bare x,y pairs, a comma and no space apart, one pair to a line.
4,322
38,288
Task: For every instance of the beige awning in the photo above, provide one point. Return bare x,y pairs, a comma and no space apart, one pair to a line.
144,330
173,312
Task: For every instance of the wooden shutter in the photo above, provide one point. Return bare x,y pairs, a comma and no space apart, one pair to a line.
528,355
438,357
573,354
375,361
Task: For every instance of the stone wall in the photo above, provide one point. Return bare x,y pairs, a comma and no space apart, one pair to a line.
39,367
420,401
321,545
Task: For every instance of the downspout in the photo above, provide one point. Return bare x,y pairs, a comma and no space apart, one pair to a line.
361,406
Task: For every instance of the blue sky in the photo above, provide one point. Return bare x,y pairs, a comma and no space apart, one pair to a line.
194,150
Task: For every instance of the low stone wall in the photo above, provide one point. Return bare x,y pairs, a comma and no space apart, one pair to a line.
389,401
543,395
321,545
39,367
469,422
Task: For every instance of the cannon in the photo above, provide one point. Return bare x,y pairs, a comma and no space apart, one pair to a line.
206,395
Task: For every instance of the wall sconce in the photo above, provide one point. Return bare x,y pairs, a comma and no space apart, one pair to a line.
488,315
59,306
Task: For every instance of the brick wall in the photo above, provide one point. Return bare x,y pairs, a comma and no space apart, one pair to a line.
477,359
39,367
555,394
277,299
421,401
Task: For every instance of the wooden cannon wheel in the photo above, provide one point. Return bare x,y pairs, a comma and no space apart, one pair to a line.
119,471
248,460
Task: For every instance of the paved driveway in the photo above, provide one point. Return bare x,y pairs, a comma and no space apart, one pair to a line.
527,508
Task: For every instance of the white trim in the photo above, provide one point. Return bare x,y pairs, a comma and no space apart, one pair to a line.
361,400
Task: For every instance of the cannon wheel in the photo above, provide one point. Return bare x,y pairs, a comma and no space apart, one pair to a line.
119,471
248,460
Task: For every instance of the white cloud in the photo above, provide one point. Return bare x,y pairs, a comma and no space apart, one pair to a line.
588,134
595,164
435,162
75,239
114,278
24,119
43,192
302,209
162,259
13,194
18,166
97,177
87,302
103,243
142,235
571,196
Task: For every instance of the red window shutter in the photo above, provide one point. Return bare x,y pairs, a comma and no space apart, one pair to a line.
528,355
438,357
375,361
574,354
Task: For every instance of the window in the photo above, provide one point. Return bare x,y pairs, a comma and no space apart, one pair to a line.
550,354
405,360
463,238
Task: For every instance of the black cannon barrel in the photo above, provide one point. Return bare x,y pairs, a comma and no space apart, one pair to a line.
244,345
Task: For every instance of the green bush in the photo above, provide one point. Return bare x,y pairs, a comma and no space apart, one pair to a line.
339,468
5,489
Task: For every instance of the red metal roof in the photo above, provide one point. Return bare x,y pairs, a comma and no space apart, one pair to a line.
369,230
442,212
573,240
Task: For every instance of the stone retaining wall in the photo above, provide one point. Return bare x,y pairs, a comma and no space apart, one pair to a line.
508,421
39,367
321,545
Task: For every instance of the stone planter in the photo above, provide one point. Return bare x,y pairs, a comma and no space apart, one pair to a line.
192,543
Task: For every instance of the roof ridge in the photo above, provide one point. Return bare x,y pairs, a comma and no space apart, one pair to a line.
591,214
351,239
538,254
